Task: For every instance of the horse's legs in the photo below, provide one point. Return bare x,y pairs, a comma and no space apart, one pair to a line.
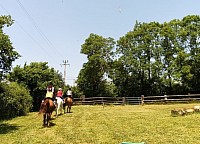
64,109
44,119
50,115
69,109
48,118
57,111
61,107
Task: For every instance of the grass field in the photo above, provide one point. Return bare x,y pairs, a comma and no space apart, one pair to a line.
152,124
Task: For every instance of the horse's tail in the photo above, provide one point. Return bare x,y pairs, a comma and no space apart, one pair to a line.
44,107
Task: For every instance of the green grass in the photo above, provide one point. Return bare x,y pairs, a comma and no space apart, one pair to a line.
152,124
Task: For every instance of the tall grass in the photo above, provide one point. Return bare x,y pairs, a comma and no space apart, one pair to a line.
152,124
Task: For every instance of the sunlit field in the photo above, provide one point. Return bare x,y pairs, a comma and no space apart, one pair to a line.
152,124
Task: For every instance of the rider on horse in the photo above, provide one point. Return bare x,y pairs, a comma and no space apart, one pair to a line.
59,94
50,92
69,93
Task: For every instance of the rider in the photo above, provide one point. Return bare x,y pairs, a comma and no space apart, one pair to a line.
50,92
69,93
59,94
50,87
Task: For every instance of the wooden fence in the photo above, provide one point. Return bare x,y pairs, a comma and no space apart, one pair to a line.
137,100
107,100
171,98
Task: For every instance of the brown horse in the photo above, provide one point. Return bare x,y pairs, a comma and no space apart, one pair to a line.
47,107
68,101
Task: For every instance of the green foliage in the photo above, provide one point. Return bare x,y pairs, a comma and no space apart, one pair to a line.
152,59
99,52
7,52
155,58
15,100
36,78
109,89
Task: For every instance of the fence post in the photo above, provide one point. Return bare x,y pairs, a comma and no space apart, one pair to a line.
165,98
142,99
123,100
82,99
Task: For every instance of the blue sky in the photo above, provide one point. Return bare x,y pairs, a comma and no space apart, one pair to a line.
54,30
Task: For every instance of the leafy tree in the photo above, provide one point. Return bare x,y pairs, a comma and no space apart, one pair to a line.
140,59
182,67
7,52
191,26
98,51
36,77
152,59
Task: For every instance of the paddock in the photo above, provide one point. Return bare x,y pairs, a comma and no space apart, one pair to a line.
91,124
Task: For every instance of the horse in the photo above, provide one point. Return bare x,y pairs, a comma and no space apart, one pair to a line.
59,105
68,101
47,107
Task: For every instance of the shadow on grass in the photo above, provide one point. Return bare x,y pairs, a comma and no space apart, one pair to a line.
7,128
53,118
68,112
51,124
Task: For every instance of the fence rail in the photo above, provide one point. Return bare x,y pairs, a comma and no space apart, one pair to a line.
107,100
170,98
137,100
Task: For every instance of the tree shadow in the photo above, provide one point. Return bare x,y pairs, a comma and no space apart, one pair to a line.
7,128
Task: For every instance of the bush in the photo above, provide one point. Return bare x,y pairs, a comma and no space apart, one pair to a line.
15,100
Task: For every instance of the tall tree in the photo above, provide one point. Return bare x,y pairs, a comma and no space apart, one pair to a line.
181,75
140,57
191,25
7,51
91,76
168,43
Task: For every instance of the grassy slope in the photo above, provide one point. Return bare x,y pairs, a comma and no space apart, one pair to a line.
152,124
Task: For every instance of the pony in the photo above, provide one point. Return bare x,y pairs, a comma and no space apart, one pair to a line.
59,106
46,108
68,101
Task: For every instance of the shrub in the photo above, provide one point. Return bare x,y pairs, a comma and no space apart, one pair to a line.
15,100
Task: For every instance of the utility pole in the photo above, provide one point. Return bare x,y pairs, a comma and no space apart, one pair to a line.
65,63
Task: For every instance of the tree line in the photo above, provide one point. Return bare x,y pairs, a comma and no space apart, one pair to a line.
152,59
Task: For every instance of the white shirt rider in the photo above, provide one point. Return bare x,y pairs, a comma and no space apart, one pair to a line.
69,93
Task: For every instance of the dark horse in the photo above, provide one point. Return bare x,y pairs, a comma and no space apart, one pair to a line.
46,108
68,101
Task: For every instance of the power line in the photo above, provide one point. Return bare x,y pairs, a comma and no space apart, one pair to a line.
65,63
37,27
25,31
